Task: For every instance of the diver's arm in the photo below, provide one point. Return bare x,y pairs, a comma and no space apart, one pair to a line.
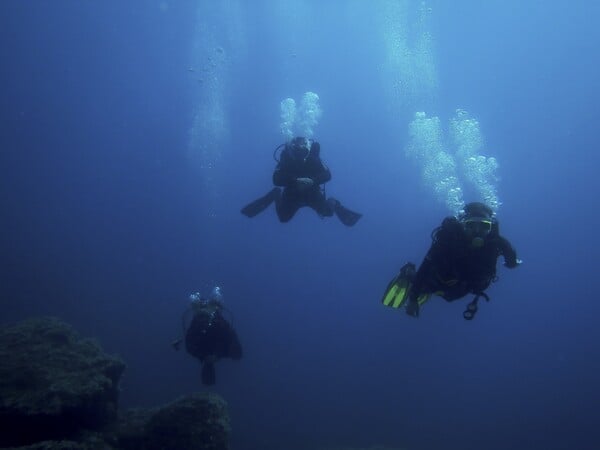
321,171
510,255
282,177
323,176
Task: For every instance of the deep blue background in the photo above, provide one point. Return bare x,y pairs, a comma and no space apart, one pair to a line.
104,220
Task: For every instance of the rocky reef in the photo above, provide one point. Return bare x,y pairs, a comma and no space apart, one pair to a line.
61,391
198,421
377,447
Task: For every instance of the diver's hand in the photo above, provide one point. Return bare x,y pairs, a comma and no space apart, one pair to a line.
412,308
304,183
176,344
512,265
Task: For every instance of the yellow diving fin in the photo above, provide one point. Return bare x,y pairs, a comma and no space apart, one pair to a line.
396,293
423,298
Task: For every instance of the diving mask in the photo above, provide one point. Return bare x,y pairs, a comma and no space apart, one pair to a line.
477,228
300,147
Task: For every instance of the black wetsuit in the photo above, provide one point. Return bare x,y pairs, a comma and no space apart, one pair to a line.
454,268
210,337
297,163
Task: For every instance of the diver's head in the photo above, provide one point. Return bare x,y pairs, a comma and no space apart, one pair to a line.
477,209
300,147
477,220
216,297
197,301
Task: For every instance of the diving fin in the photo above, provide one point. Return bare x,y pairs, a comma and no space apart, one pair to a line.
209,376
346,216
397,291
260,204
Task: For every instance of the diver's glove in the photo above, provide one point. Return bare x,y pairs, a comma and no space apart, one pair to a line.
512,264
176,344
304,183
412,307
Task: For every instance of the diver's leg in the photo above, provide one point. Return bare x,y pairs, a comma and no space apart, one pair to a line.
209,376
286,206
323,206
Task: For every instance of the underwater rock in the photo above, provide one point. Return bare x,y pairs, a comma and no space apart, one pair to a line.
377,447
194,422
60,392
87,441
53,384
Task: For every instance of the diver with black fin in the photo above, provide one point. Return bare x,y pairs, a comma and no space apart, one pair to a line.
461,260
301,174
208,336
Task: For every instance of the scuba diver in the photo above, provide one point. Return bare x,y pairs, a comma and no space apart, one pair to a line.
209,337
300,172
461,261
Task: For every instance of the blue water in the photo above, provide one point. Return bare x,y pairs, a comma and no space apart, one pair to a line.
106,224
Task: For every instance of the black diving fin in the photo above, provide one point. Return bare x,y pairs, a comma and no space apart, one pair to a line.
209,376
260,204
345,215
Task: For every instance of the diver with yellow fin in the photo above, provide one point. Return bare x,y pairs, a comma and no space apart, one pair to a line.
461,261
